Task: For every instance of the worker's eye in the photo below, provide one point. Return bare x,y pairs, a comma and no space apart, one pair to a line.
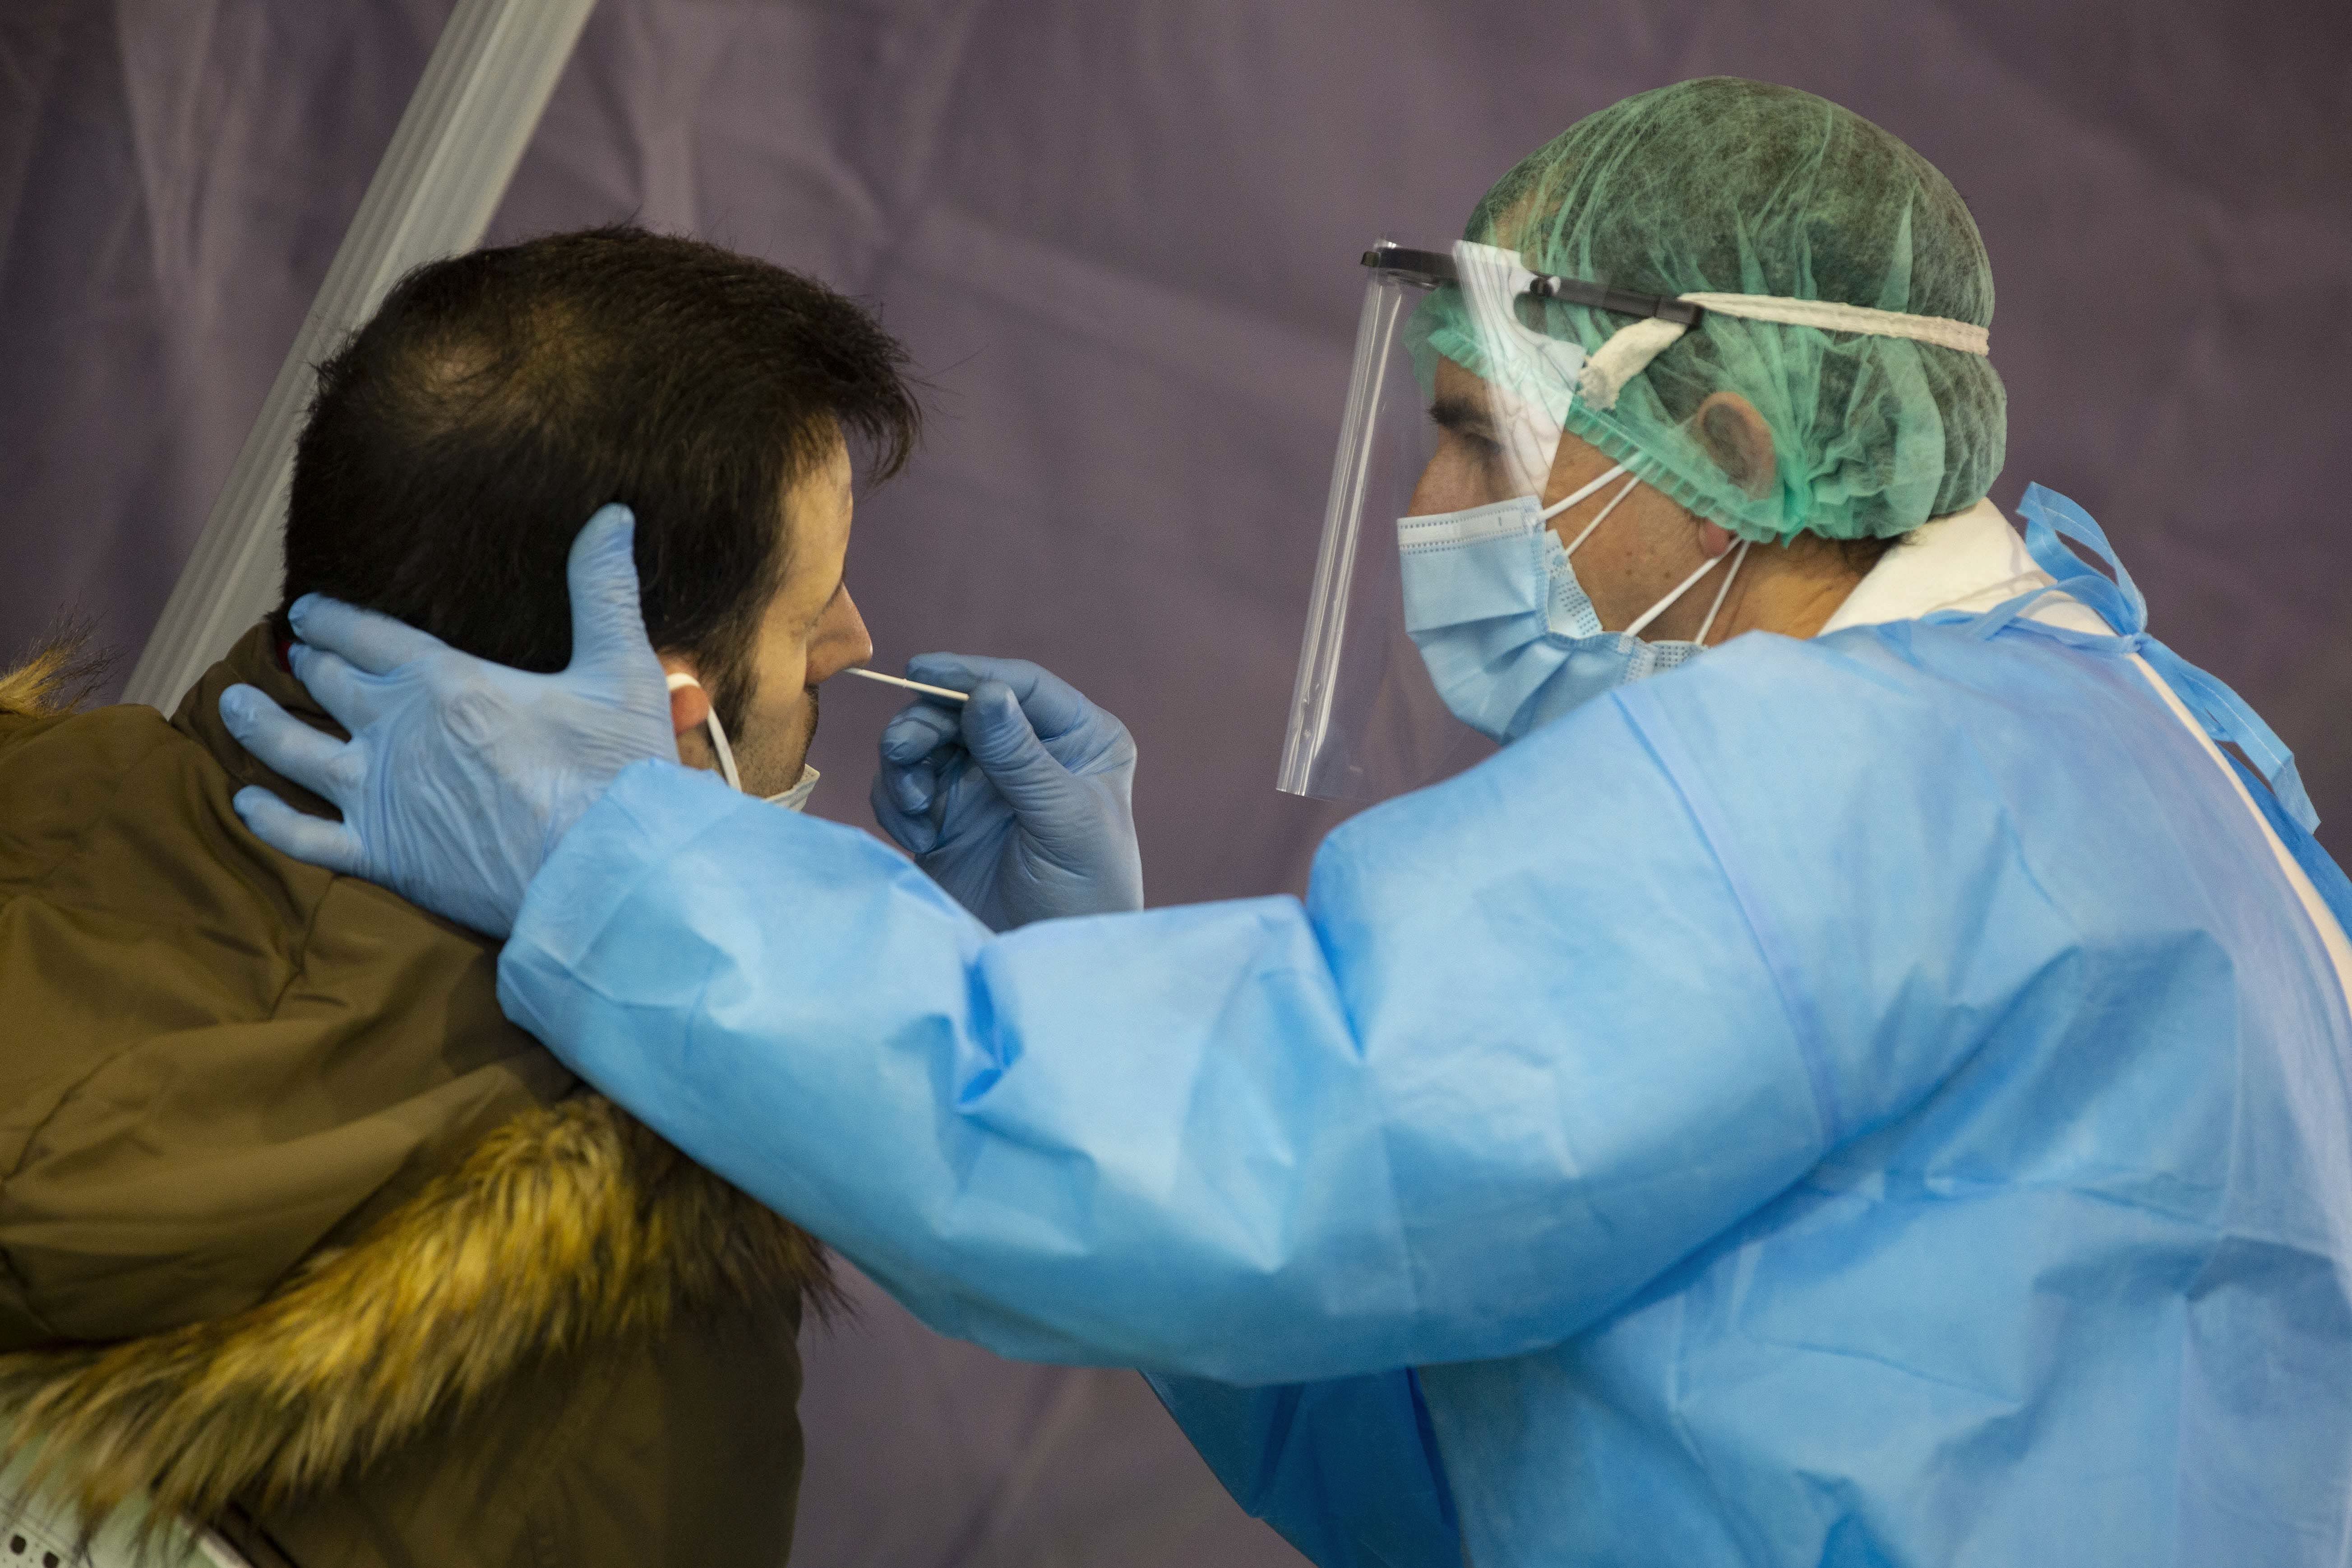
1482,451
1472,443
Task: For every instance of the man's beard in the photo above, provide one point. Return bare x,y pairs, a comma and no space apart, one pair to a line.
769,758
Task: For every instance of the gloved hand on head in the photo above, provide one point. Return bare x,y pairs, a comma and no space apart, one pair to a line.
1019,802
460,775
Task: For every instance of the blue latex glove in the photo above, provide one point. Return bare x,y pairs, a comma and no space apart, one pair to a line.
460,775
1017,803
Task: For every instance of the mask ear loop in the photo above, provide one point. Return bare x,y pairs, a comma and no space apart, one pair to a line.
1603,515
1577,494
1685,586
680,680
1721,594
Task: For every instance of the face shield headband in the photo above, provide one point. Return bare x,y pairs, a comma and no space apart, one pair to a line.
1458,399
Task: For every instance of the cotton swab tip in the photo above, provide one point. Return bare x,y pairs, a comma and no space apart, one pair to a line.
909,685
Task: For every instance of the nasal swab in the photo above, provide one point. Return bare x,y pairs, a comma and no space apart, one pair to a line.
909,685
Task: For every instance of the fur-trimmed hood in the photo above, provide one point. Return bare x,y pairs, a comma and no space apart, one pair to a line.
572,1226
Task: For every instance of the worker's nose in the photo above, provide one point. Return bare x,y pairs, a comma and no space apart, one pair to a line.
841,639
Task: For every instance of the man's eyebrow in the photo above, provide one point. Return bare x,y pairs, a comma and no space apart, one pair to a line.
1464,416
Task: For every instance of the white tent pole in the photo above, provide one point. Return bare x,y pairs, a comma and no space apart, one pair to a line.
441,178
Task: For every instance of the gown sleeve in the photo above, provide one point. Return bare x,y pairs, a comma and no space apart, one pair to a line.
1347,1470
1534,1035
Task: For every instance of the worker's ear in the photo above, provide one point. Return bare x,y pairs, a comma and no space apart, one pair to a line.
1738,440
690,705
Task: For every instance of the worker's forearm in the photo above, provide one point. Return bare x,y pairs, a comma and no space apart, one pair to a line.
1145,1140
1234,1139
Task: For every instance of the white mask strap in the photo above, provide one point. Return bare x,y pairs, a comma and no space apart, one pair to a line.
1603,515
679,681
1721,594
1564,503
1662,606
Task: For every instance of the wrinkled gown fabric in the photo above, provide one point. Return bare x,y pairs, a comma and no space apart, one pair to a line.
1872,1100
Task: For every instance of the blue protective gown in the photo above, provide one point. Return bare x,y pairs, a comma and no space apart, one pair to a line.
1873,1100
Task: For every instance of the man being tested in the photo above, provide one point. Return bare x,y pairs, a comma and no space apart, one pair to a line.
1874,1094
301,1239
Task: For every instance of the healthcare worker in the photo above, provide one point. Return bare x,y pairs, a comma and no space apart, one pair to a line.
1870,1091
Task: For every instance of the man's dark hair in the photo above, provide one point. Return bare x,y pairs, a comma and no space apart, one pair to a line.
460,439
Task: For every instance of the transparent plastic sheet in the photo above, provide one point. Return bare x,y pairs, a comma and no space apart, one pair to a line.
1366,723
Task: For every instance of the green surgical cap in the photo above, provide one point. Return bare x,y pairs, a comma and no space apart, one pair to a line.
1722,185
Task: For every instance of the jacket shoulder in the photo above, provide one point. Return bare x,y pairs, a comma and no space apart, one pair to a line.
218,1059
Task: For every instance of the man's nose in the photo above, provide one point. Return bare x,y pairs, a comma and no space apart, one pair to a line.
841,640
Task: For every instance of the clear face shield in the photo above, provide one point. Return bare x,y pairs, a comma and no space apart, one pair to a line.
1455,408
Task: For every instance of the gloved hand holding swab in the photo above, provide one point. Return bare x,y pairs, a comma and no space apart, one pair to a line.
1019,802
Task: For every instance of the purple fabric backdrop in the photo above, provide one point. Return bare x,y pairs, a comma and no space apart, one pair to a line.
1121,242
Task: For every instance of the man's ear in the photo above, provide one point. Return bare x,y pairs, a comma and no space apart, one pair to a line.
690,705
1738,440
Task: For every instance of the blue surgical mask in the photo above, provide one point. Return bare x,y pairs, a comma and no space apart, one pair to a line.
1509,636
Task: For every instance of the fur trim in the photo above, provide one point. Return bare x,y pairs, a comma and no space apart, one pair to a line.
571,1225
57,678
32,687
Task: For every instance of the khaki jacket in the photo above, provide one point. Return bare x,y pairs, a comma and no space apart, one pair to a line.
299,1237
